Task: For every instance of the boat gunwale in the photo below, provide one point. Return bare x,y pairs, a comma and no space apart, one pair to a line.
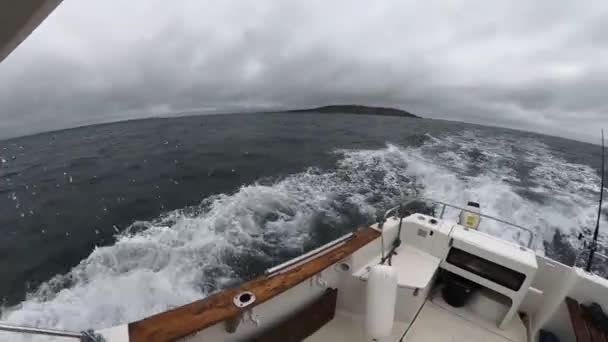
198,315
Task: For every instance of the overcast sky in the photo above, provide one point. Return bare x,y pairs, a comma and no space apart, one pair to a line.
534,65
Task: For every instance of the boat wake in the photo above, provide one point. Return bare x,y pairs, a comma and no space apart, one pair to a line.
187,254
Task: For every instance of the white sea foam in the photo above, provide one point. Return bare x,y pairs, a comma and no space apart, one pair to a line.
183,255
569,200
179,257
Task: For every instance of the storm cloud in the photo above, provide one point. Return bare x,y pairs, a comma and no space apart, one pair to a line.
539,66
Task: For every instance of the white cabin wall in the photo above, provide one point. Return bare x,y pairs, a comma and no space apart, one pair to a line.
584,288
532,301
590,288
417,232
433,238
548,310
351,295
351,290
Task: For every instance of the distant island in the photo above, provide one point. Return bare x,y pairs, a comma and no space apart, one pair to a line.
358,110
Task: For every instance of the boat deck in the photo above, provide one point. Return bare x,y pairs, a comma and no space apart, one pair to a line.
437,321
349,328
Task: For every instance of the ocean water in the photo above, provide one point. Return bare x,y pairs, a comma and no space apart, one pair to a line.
110,223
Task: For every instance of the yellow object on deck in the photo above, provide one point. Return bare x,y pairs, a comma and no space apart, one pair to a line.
470,217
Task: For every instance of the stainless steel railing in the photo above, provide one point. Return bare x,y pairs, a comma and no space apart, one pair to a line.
444,205
84,336
326,247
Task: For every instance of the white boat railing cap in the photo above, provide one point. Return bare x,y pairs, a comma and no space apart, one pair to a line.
83,336
394,210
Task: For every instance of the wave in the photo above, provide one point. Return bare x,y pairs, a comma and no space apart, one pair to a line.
187,254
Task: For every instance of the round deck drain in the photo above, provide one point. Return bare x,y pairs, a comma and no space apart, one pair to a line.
343,267
244,299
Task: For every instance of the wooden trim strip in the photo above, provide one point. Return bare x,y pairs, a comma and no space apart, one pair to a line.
190,318
596,334
578,323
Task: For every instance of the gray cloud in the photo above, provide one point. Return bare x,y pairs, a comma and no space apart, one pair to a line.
540,66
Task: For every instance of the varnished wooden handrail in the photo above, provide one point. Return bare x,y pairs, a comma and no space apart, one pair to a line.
193,317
